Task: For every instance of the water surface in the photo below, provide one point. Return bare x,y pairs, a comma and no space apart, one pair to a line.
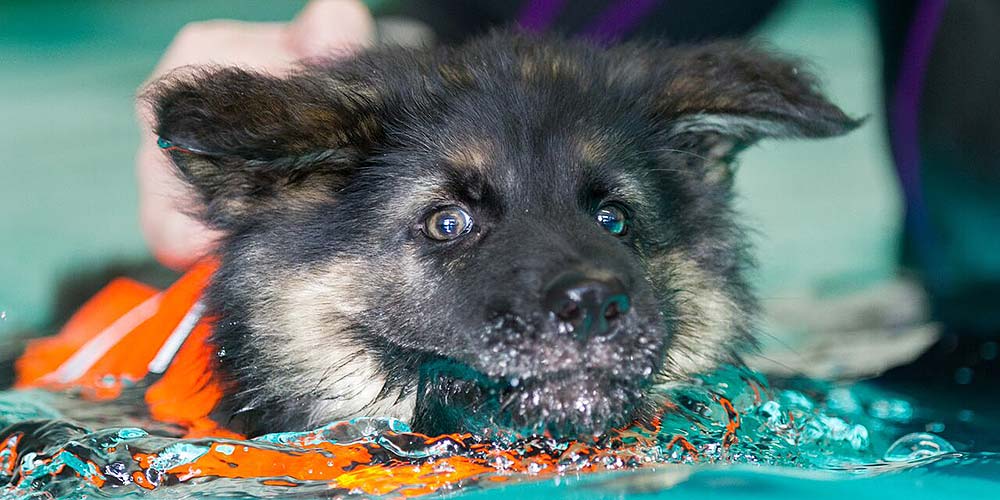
729,432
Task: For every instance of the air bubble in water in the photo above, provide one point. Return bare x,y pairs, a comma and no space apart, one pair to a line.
796,400
963,375
131,433
916,446
896,410
842,400
988,351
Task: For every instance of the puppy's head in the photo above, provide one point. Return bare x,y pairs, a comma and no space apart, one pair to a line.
516,232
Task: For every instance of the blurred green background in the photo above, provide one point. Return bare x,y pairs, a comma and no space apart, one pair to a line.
826,214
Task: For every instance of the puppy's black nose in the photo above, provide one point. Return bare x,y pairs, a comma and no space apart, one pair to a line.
586,304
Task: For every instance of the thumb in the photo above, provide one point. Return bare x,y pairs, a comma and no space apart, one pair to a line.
331,28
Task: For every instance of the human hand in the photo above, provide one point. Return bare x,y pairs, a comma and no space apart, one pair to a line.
323,28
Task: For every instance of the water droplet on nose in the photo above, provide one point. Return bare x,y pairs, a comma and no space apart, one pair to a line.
916,446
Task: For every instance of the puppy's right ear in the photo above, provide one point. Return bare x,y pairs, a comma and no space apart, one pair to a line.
245,140
716,99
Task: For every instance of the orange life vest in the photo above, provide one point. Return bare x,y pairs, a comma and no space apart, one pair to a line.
128,332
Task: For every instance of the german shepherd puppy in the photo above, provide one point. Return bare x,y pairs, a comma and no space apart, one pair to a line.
519,232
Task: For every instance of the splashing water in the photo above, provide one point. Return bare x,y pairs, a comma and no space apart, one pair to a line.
729,417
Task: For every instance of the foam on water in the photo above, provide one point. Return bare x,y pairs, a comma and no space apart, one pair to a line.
730,417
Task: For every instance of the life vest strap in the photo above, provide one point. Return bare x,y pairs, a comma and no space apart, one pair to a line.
129,333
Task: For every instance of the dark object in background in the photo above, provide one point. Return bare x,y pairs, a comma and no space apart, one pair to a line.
75,289
942,88
942,92
674,20
72,291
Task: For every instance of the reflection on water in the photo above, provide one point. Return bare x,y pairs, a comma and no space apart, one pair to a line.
732,417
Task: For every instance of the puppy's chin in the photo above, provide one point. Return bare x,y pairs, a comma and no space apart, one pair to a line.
581,404
576,405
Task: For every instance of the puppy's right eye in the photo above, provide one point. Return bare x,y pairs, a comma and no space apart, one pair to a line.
447,223
613,219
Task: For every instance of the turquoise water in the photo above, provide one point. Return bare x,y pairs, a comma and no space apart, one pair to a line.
69,79
793,439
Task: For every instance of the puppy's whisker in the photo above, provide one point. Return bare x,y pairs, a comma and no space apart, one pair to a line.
671,170
509,401
791,370
679,151
781,342
319,381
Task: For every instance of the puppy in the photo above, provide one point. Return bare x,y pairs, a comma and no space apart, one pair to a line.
523,233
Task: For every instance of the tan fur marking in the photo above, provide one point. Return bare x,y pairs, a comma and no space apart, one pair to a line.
456,74
629,69
473,153
593,150
366,92
307,193
305,317
708,316
416,198
690,94
546,65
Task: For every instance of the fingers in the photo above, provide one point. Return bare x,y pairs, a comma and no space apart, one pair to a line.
257,45
175,238
323,28
331,28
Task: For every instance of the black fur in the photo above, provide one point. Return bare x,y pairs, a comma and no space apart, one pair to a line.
333,303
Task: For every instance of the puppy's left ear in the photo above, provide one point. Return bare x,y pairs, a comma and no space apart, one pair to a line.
721,97
244,141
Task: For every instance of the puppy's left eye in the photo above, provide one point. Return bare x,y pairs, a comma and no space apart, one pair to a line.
612,218
447,223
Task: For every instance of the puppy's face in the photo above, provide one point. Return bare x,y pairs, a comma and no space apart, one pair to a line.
517,232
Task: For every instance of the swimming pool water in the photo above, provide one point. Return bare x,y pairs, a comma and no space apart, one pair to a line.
729,432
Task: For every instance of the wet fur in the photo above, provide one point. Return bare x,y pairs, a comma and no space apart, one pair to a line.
332,305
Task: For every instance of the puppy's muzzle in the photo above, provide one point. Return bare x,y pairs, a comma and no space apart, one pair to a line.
586,304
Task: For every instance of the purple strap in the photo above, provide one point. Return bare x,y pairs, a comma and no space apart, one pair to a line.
619,19
904,115
539,15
